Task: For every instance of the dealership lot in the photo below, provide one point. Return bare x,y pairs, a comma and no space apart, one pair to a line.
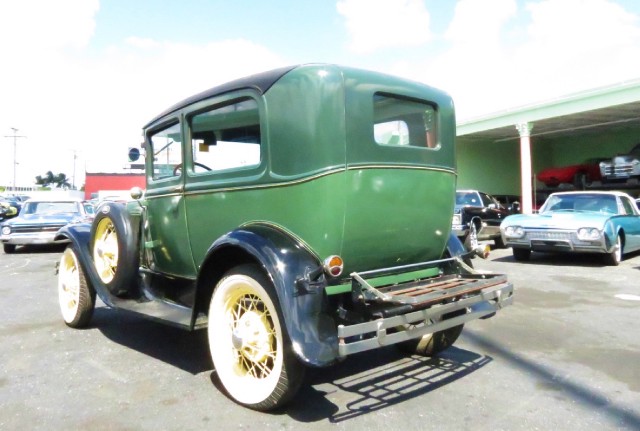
565,356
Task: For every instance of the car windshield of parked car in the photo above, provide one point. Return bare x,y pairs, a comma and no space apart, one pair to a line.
47,208
582,203
467,198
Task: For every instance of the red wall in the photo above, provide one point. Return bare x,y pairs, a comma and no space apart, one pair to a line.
96,182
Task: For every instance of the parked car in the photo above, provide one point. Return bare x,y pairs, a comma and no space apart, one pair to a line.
39,221
577,222
578,175
297,235
477,217
623,167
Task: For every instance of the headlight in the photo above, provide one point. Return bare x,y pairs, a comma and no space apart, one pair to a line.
514,231
588,234
6,230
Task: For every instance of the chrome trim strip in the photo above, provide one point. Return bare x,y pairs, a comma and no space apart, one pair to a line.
303,180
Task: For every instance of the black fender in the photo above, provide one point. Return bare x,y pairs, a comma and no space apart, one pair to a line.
294,271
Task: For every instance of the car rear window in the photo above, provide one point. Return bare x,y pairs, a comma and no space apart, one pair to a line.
404,122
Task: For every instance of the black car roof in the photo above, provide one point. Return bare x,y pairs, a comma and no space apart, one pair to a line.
260,82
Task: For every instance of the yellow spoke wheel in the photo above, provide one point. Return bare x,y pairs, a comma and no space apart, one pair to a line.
248,344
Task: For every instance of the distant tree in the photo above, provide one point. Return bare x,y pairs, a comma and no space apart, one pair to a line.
60,180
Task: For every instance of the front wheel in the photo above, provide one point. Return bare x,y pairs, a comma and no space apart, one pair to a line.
471,241
76,297
9,248
615,257
249,345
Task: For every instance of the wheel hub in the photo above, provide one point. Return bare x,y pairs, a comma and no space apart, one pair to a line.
251,336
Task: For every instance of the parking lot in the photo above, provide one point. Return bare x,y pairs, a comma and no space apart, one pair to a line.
565,356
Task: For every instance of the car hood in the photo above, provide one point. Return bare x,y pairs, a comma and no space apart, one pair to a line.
30,219
625,158
558,220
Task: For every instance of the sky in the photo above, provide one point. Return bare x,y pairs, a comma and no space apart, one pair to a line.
79,78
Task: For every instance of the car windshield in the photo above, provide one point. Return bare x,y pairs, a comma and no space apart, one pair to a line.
42,208
581,202
467,198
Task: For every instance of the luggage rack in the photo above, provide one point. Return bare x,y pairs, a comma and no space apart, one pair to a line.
426,292
422,305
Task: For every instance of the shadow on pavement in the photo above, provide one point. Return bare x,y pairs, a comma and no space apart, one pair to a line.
376,380
361,384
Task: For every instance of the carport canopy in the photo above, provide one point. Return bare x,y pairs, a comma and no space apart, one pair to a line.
604,109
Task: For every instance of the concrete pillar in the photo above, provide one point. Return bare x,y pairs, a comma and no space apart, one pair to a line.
524,129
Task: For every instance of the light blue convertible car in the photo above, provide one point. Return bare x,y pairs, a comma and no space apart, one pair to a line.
580,222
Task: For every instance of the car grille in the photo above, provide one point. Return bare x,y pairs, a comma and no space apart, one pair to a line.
618,169
37,228
549,235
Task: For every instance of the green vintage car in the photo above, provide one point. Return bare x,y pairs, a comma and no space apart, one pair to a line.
301,215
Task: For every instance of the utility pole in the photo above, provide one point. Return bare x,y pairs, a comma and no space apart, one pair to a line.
73,179
15,137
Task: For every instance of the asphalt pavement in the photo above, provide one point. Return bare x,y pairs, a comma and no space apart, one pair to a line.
565,356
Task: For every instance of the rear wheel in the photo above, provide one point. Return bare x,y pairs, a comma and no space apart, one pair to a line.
580,180
76,297
249,345
615,257
432,344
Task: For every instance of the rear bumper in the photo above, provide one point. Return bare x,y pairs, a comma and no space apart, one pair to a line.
481,296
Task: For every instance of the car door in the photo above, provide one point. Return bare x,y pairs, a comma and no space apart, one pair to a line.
166,242
630,223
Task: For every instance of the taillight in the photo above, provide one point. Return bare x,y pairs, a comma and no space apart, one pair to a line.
333,265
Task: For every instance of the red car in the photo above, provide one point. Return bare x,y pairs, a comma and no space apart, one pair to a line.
579,175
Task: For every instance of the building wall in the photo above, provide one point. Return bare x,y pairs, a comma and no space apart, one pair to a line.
94,183
494,167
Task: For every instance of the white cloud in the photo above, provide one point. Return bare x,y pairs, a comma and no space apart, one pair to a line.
67,101
501,56
576,44
376,24
46,24
478,22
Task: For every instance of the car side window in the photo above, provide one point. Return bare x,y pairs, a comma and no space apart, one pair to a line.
628,206
486,200
226,137
166,147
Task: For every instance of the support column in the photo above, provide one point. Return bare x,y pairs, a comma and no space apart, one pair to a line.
524,129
